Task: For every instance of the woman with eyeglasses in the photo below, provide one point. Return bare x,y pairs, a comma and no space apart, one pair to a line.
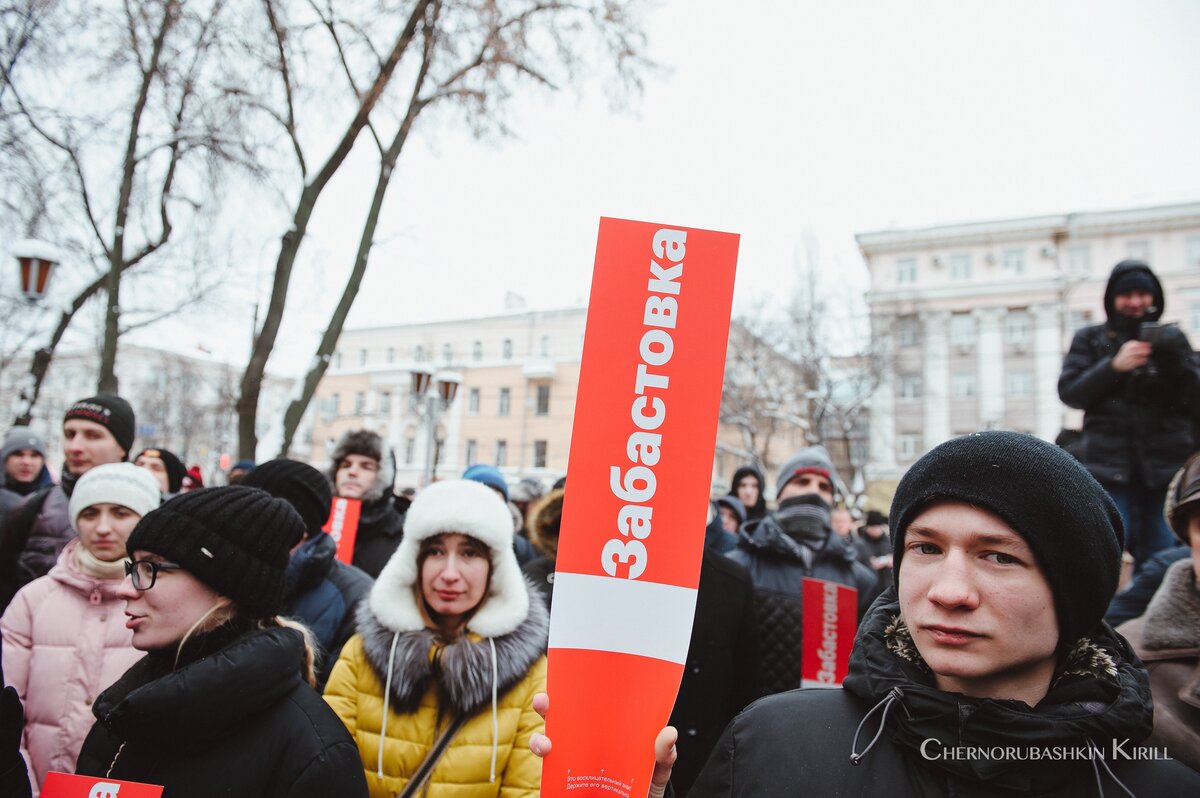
64,633
222,703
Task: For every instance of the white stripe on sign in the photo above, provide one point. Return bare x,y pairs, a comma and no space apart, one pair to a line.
625,616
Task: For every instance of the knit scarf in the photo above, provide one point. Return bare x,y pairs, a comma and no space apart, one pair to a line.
805,519
96,568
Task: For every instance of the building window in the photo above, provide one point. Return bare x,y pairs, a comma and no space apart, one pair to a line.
543,400
962,386
329,408
960,267
473,402
544,348
1020,384
1079,260
1014,261
962,330
906,271
909,445
501,453
335,404
1080,319
908,331
1017,327
539,454
362,357
1138,249
419,354
360,403
477,351
506,349
337,360
385,402
1194,316
504,401
410,449
472,451
447,353
391,354
1191,250
910,387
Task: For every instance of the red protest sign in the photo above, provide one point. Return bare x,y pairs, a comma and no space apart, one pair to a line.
343,525
633,521
66,785
830,623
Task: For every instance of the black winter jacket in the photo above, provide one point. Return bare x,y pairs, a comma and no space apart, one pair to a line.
777,566
238,723
36,531
380,529
1138,427
801,742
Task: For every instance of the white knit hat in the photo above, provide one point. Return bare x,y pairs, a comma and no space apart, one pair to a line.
115,483
468,508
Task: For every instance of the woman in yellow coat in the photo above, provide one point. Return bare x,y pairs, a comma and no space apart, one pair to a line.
450,651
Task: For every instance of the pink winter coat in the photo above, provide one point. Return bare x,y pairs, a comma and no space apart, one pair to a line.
65,641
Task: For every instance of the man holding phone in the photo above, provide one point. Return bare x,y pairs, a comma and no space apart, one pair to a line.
1138,383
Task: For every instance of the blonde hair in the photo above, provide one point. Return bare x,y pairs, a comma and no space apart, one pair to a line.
226,610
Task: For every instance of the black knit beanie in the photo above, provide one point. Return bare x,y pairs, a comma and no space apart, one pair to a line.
109,411
300,485
171,464
1046,496
234,539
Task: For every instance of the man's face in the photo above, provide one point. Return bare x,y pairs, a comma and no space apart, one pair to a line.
24,465
804,484
729,519
1194,539
87,444
842,522
156,467
1133,304
875,531
977,604
355,475
748,490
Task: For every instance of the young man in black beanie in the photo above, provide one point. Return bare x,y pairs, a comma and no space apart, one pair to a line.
166,468
96,430
1139,387
318,589
986,670
362,469
787,545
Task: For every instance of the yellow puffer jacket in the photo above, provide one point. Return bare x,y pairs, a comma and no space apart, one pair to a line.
430,683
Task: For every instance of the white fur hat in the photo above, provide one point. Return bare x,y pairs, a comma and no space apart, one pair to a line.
469,508
115,483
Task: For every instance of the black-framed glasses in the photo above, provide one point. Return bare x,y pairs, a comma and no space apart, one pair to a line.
144,573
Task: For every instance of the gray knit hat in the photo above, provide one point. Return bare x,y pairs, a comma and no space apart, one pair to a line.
19,438
813,460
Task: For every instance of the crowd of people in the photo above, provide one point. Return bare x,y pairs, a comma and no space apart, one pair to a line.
211,639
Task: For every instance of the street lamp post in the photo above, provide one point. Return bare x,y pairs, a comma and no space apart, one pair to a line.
36,260
438,392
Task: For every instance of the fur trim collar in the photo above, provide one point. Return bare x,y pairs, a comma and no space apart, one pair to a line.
1172,620
469,508
462,670
368,444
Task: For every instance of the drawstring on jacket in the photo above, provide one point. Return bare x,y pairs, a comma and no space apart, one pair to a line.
387,693
894,695
495,715
1099,754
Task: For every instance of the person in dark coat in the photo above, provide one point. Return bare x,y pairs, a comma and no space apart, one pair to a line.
362,470
14,772
780,550
750,487
874,546
732,514
24,457
1138,384
718,676
223,702
544,524
166,467
986,670
96,430
318,589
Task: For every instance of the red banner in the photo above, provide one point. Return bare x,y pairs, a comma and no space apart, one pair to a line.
343,526
633,519
830,623
65,785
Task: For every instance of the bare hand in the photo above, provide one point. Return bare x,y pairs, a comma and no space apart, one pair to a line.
664,749
1131,355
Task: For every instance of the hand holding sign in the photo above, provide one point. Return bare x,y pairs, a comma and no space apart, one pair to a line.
664,749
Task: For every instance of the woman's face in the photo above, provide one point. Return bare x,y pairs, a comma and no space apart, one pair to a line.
454,576
747,491
104,528
163,614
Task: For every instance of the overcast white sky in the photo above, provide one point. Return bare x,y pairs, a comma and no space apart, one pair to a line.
768,118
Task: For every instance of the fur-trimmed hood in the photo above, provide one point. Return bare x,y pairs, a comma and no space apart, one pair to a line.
462,670
545,521
368,444
1171,625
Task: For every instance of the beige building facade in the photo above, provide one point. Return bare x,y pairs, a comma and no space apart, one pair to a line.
974,319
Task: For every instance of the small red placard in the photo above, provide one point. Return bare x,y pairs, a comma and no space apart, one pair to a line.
343,525
830,623
66,785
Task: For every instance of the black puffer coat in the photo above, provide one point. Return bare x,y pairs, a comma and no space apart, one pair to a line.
239,723
801,742
1138,427
777,566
